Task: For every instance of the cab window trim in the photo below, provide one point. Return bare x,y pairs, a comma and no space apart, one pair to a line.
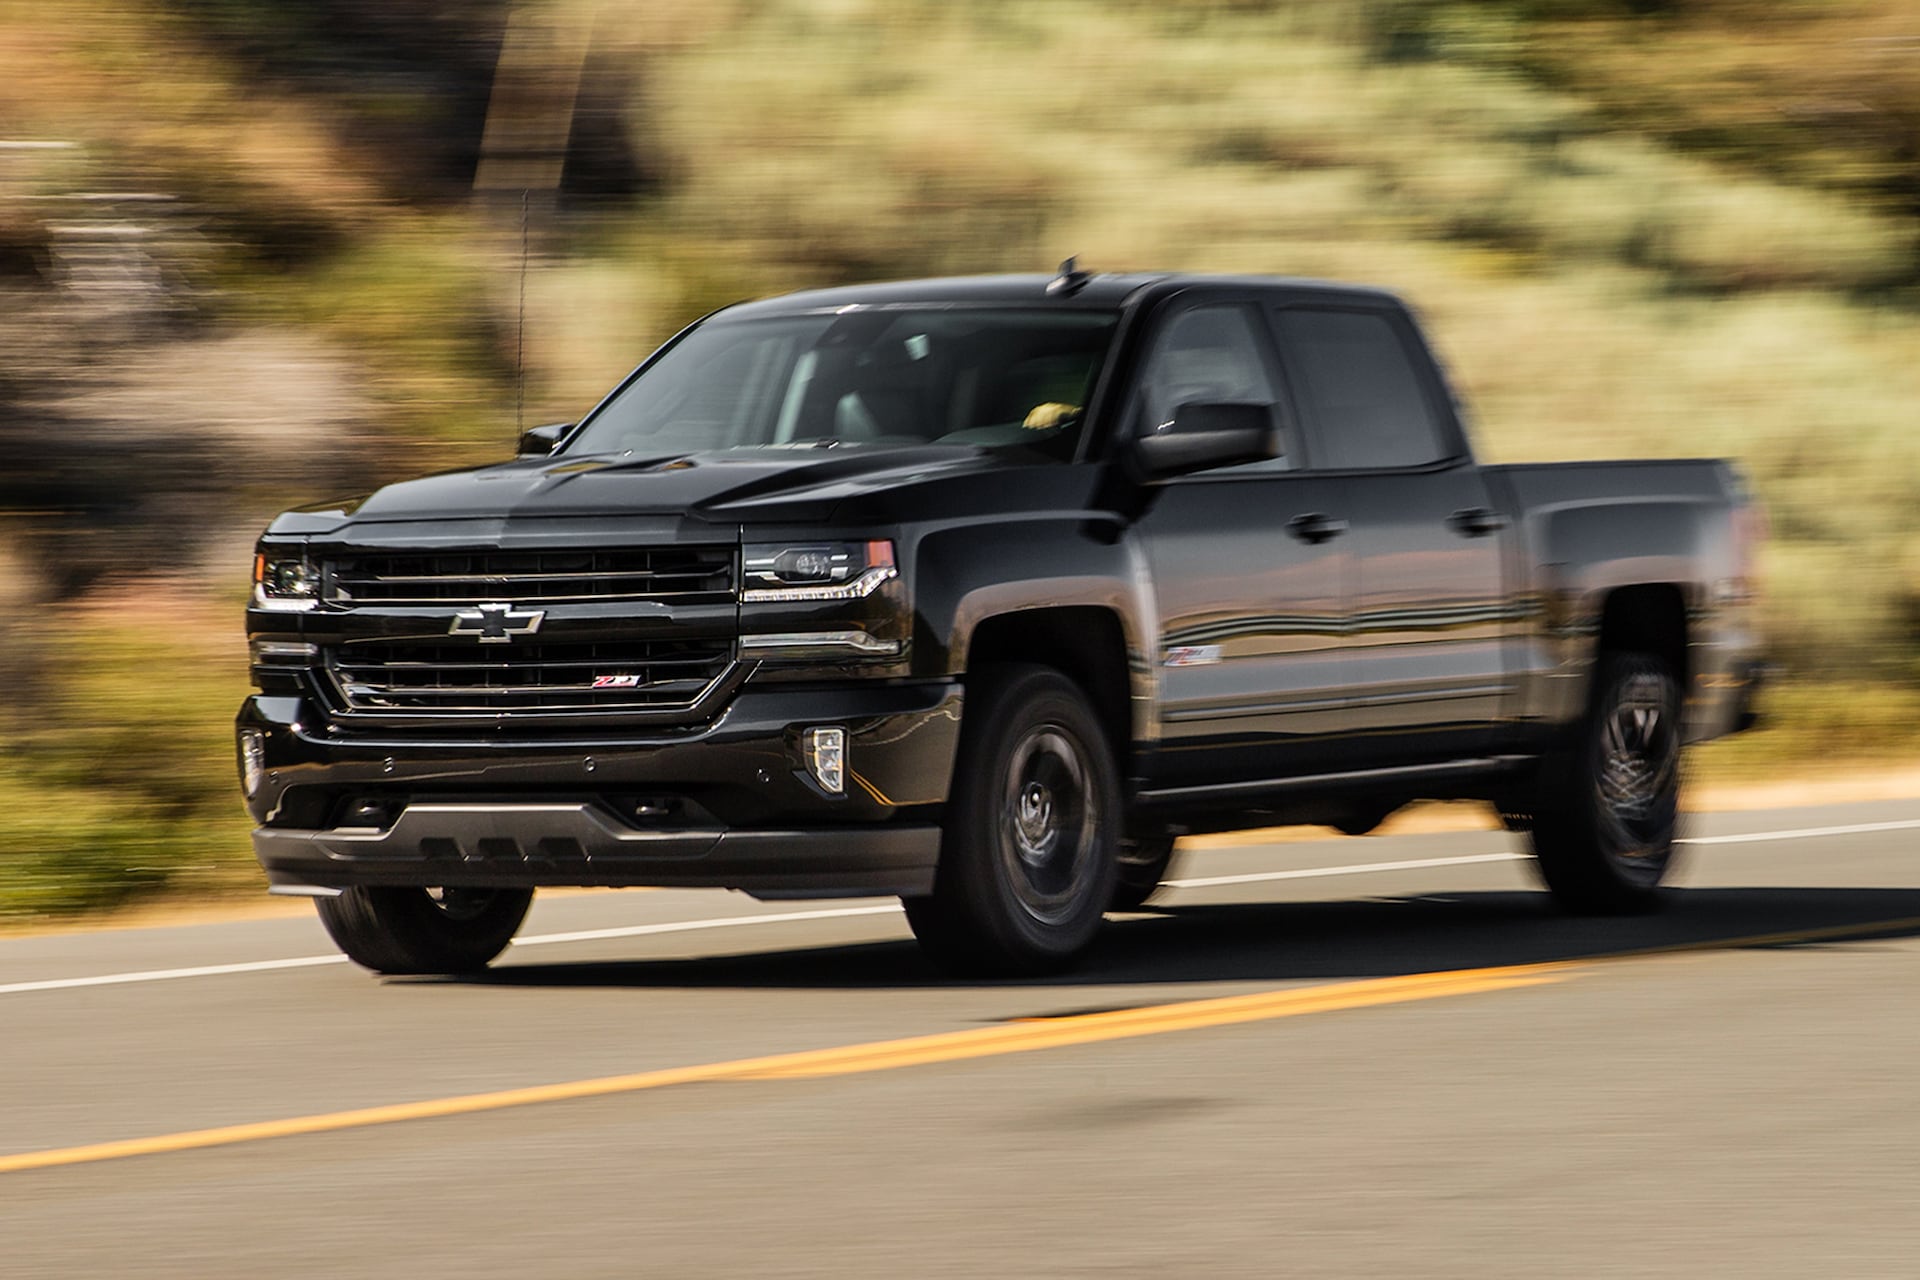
1253,308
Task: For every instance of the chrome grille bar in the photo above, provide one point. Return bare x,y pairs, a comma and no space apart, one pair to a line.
401,677
677,575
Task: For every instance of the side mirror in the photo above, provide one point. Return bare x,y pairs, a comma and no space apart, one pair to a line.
538,442
1204,436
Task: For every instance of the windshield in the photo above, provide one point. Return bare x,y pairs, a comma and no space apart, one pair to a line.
988,378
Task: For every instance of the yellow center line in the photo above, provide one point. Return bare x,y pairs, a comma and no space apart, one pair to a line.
951,1046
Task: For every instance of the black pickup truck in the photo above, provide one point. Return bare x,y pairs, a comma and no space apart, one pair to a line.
980,592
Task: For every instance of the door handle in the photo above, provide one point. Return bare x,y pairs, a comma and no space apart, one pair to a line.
1316,527
1476,522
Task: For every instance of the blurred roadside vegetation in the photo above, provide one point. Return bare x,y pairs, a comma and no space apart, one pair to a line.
254,272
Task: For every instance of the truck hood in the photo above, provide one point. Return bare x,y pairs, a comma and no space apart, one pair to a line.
760,485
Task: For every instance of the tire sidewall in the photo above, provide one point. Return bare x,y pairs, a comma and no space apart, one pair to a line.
1021,702
1578,844
402,930
1637,872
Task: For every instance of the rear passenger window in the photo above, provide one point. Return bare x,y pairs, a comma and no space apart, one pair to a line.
1358,383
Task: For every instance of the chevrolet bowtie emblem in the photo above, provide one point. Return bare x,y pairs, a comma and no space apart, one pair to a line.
496,623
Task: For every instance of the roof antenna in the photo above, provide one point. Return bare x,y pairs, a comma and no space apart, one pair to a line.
520,331
1069,281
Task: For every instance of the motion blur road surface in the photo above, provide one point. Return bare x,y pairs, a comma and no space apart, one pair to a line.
1740,1101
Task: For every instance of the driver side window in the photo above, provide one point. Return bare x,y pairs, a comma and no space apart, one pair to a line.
1208,355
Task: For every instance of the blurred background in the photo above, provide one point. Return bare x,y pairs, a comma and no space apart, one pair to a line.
256,254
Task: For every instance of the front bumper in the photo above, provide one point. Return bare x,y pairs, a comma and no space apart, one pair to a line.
729,804
530,845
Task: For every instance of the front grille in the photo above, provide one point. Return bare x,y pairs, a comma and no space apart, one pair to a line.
424,677
676,575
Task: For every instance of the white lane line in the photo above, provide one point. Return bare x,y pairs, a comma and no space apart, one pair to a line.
308,962
1357,869
684,926
1804,833
534,940
163,975
1304,873
1414,864
835,913
1364,868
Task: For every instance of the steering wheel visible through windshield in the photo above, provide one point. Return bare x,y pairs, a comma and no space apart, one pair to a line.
987,377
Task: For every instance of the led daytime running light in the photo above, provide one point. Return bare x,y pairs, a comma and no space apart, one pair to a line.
864,585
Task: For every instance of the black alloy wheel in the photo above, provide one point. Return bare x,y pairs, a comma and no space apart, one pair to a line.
1605,827
1027,862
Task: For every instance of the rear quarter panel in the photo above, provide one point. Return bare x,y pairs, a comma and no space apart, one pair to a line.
1590,529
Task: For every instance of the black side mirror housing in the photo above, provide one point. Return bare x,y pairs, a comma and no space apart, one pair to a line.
538,442
1204,436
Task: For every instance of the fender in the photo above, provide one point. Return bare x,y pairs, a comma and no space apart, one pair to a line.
966,574
1585,551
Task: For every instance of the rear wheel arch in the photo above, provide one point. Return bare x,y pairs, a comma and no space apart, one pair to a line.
1648,618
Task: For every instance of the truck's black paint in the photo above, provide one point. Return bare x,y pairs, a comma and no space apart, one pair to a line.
1263,645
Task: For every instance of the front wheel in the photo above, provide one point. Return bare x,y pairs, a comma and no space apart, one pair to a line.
407,930
1609,803
1027,857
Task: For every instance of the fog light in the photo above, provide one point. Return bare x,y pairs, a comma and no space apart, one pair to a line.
827,758
253,759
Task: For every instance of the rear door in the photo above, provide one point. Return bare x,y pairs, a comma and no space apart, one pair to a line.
1425,644
1249,663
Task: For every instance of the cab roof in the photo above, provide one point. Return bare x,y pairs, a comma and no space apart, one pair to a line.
1095,292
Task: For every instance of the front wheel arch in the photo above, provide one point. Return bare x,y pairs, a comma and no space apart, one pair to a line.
1086,644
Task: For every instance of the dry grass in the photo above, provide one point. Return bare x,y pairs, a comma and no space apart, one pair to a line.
131,86
1597,293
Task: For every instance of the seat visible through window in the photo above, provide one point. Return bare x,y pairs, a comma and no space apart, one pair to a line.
1208,355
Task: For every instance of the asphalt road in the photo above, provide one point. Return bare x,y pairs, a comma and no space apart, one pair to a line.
1357,1057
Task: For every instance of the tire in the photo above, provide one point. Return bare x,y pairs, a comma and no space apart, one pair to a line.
1142,865
407,930
1604,826
1027,859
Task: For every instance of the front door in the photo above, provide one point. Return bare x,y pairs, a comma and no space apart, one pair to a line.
1248,568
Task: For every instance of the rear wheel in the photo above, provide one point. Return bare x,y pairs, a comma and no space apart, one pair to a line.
1604,827
408,930
1027,856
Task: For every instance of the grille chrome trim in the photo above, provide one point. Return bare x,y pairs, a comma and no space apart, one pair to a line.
663,574
427,680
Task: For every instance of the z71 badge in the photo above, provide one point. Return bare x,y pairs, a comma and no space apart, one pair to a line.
1192,655
616,682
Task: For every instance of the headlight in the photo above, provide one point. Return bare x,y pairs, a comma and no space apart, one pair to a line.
816,571
285,582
